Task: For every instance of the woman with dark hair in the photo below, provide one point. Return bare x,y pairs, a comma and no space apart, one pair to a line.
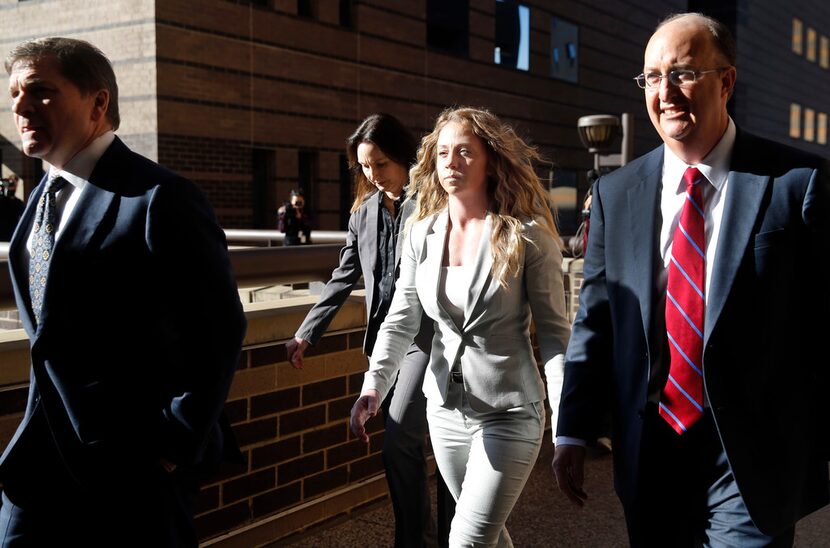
481,257
380,153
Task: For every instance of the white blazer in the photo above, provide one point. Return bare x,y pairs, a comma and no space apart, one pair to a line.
493,344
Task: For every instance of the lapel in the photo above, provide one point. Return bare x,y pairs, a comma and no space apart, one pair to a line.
435,242
407,209
481,274
95,200
20,267
371,234
644,233
740,211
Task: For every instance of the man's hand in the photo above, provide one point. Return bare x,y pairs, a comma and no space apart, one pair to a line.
569,468
294,350
364,409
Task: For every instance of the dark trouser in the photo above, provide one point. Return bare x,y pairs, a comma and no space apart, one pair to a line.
403,457
44,506
689,496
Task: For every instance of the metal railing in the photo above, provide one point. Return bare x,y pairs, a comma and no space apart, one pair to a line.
253,266
275,237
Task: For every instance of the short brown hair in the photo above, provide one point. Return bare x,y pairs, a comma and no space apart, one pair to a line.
723,39
78,61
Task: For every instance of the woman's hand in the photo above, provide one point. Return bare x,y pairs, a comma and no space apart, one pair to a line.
294,350
364,409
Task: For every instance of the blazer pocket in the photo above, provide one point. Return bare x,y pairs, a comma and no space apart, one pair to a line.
770,238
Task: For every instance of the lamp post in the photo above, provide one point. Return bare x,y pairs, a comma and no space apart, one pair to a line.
598,132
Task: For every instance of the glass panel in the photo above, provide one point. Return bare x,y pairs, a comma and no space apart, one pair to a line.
821,129
809,124
448,26
797,36
512,47
811,44
795,121
564,50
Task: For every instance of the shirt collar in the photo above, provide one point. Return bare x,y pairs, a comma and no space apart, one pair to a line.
398,202
715,167
78,170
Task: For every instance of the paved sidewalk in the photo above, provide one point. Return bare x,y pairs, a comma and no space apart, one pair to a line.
541,518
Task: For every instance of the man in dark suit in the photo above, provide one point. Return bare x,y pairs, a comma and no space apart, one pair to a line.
122,278
702,317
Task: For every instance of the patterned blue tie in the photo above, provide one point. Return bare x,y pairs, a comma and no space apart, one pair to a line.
43,240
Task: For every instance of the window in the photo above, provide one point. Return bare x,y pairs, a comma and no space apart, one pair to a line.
824,50
307,175
809,124
512,47
797,37
563,192
346,13
821,129
307,8
795,121
564,49
346,191
263,191
811,44
448,26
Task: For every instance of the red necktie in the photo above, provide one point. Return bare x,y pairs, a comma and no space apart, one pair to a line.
681,403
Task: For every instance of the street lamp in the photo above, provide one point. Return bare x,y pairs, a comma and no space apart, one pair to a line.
598,132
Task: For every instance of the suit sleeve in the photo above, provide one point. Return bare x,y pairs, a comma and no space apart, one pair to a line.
546,295
816,215
203,314
585,391
339,287
400,326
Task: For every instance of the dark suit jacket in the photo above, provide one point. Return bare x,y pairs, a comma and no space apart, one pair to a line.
765,366
358,257
141,324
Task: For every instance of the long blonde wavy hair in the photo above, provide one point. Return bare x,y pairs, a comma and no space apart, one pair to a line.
514,190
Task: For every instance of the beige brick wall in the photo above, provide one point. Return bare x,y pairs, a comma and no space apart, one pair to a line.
303,465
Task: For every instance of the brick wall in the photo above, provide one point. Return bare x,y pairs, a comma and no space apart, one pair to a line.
293,428
303,465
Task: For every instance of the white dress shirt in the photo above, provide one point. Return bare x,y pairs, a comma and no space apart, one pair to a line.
76,172
715,167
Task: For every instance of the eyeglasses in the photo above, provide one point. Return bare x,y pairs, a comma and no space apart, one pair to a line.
680,78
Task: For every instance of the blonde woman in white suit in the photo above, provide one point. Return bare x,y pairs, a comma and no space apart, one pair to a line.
480,257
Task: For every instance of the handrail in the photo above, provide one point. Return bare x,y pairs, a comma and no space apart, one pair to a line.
264,237
275,237
283,265
252,266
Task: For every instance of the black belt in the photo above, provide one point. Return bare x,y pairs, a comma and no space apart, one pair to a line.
456,376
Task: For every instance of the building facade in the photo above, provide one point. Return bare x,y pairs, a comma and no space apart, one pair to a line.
253,98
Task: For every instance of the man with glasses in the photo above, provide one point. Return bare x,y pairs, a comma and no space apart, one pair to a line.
702,317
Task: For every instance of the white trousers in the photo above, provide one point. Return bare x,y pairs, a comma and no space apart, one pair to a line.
485,459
